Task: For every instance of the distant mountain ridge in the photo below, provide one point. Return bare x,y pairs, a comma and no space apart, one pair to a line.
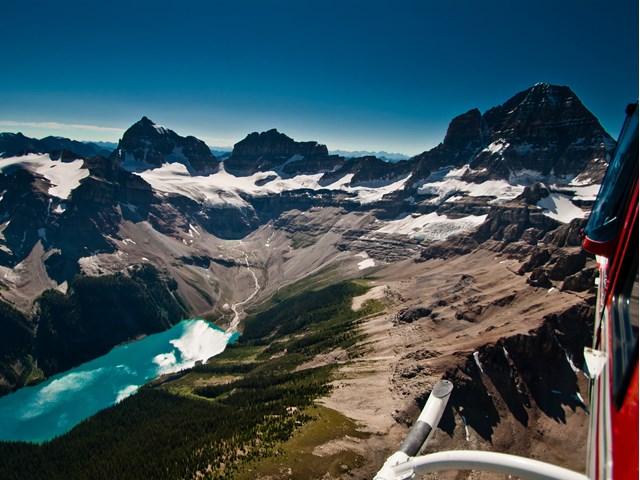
382,155
16,144
111,146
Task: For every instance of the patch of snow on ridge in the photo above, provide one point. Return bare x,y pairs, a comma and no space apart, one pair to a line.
584,192
581,181
367,262
130,206
64,177
160,129
341,183
372,194
432,227
476,357
217,189
447,183
130,163
194,229
457,172
501,189
525,176
560,208
496,147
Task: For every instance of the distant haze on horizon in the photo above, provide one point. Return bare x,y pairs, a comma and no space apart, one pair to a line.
356,75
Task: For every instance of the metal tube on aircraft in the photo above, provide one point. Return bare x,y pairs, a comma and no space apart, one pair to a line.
429,418
421,432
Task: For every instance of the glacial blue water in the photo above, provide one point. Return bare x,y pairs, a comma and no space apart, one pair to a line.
53,407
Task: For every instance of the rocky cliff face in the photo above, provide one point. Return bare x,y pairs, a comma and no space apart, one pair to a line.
147,145
464,138
511,373
92,216
24,207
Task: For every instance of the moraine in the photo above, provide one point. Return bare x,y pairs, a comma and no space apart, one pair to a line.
53,407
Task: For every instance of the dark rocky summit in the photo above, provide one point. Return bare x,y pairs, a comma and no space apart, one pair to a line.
545,129
272,150
146,145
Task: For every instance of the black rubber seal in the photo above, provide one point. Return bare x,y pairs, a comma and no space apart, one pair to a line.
415,439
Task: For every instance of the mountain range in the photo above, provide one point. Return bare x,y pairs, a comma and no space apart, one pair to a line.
162,213
77,205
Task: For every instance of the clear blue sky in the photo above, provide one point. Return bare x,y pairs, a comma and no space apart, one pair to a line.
375,75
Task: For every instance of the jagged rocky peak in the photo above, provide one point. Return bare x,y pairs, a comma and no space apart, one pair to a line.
544,131
273,142
270,150
148,145
547,129
540,105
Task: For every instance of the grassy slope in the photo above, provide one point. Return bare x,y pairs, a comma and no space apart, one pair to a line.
299,457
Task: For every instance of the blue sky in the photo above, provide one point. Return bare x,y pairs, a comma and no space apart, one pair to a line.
374,75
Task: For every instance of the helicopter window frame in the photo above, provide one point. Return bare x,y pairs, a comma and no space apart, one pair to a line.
624,315
604,221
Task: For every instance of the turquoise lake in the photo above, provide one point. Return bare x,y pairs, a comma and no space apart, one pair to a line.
53,407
